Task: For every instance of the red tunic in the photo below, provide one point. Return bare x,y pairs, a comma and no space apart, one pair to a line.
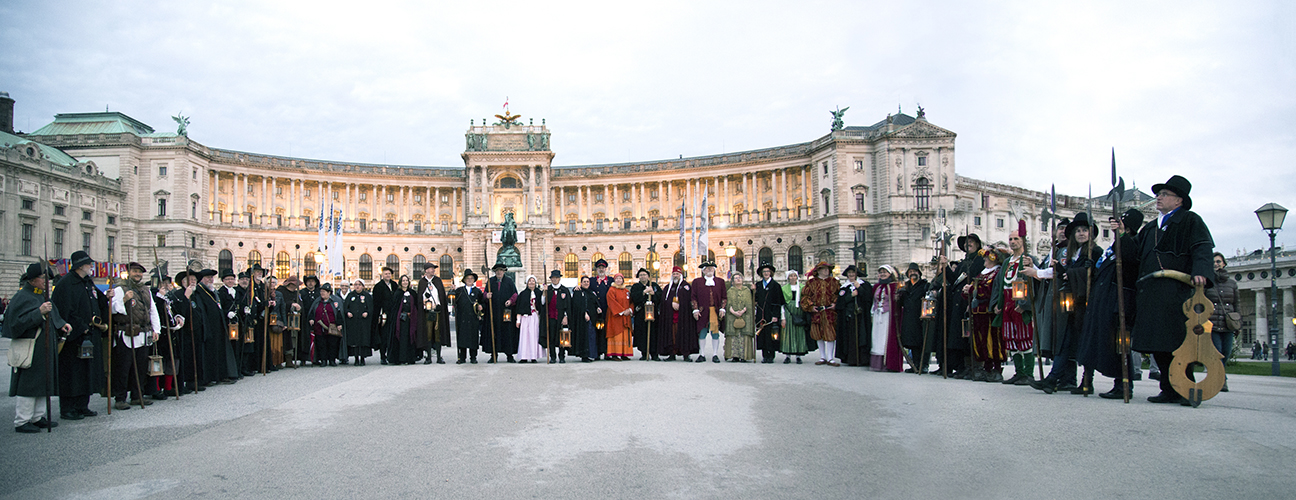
822,293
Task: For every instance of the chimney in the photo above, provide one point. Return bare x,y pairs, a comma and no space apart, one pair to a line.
6,113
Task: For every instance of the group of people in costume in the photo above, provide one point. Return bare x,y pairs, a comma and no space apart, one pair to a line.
204,332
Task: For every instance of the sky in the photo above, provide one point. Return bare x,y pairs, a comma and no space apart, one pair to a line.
1039,93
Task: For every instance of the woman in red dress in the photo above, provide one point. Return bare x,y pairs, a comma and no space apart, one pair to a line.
618,320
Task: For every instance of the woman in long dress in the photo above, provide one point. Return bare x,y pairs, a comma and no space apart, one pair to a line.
323,314
739,332
792,342
358,324
619,320
402,349
886,323
527,319
818,300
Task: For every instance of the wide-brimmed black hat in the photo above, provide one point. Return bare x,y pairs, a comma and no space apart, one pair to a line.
1132,219
706,264
206,272
1179,186
962,241
600,263
642,271
255,267
33,271
499,265
849,269
136,265
555,274
429,264
226,273
469,272
1081,219
180,276
244,275
913,266
80,258
327,286
310,278
765,266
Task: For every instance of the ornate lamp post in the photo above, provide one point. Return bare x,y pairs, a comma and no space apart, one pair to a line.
1271,219
730,251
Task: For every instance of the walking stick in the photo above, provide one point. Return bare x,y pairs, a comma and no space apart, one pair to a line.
108,348
1054,296
193,347
47,330
265,325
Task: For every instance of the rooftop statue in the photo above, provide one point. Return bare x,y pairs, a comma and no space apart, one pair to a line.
837,123
183,121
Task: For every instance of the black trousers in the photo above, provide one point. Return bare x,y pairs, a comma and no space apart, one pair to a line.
463,353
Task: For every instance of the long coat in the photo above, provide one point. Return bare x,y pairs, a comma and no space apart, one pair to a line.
1185,245
23,320
218,362
675,332
584,302
442,314
358,327
386,302
505,333
80,301
468,301
706,297
854,323
911,324
560,299
639,294
1098,347
769,302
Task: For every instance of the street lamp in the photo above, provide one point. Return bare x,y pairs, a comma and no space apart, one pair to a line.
730,251
1271,219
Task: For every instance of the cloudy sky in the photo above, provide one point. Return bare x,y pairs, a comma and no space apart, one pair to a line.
1039,92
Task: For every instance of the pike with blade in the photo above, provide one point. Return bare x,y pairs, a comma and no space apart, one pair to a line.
1116,195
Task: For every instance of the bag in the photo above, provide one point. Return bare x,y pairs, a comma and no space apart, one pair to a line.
739,323
1233,321
334,330
21,351
800,319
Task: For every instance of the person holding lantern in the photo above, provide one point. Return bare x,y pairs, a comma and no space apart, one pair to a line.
599,285
1010,300
500,292
769,300
1099,347
434,330
675,326
987,340
913,334
323,314
357,309
555,305
82,306
641,295
1082,254
885,315
792,341
583,315
468,305
135,319
854,318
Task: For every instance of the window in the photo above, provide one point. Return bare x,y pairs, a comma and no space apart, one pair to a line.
738,263
765,256
825,168
445,227
655,222
571,266
625,264
366,267
27,230
826,208
249,185
161,240
795,261
652,264
626,224
278,190
391,197
112,219
162,170
976,221
195,173
508,183
225,261
985,201
445,199
859,203
364,225
598,225
652,194
391,226
86,240
571,226
598,197
922,161
29,204
112,248
418,227
679,260
446,267
1106,233
364,196
393,261
595,258
282,261
625,196
60,210
926,232
306,193
193,210
417,263
161,204
312,265
418,198
254,258
922,193
87,215
859,165
571,198
336,195
999,223
58,241
860,235
193,242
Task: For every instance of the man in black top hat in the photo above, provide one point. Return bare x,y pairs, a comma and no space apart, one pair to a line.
555,304
600,283
434,330
769,301
500,292
468,306
640,292
82,305
386,303
1176,240
25,319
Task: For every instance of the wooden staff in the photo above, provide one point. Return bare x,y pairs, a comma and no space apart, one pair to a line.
47,330
1122,338
265,324
108,348
157,281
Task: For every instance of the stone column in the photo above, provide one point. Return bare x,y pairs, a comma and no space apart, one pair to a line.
1262,314
211,194
1287,326
805,190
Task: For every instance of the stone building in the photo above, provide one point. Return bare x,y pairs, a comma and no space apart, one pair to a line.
870,194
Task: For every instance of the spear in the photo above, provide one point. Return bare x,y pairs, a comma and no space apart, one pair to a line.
157,282
1122,339
48,330
1054,296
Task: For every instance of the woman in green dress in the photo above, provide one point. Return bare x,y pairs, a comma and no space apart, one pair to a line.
740,333
792,342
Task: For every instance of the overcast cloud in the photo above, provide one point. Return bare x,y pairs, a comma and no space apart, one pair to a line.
1039,92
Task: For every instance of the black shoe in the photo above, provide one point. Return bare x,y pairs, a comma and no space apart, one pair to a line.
715,359
586,360
45,423
460,361
643,357
510,358
670,358
427,361
1117,392
161,396
655,358
562,360
70,416
1044,385
980,377
1025,380
1082,390
86,412
995,377
1013,380
474,361
1155,375
798,360
27,428
201,388
1066,387
1170,397
701,359
246,373
440,360
787,360
343,362
187,390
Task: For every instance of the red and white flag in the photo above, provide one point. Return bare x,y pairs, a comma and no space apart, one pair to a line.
505,103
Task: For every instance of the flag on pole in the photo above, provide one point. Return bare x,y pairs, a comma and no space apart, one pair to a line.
336,262
505,103
320,245
681,228
702,233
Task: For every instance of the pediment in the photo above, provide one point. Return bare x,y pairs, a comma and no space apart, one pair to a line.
923,130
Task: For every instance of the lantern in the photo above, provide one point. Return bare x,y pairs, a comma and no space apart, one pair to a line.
967,327
1019,289
1067,301
248,337
649,313
929,305
274,320
564,337
87,350
427,305
233,331
599,324
155,366
508,315
451,294
294,321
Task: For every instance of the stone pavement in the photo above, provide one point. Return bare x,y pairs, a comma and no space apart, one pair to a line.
630,430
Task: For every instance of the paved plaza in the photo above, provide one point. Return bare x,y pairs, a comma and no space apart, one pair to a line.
635,429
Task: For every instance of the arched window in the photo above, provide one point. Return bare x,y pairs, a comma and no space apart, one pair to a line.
595,258
311,267
571,266
447,268
679,259
738,262
626,265
828,256
393,261
795,261
508,182
226,261
922,194
366,267
282,262
766,256
653,263
417,264
254,258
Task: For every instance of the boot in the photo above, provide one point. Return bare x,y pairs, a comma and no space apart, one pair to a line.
1117,392
1086,385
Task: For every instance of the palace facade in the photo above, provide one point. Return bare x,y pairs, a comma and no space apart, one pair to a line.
876,194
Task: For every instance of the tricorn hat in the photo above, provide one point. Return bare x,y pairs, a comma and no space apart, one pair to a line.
706,264
80,258
1179,186
499,265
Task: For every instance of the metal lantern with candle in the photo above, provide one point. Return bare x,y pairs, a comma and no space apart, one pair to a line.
929,305
294,321
1020,290
155,366
1067,301
564,337
233,331
508,315
650,313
